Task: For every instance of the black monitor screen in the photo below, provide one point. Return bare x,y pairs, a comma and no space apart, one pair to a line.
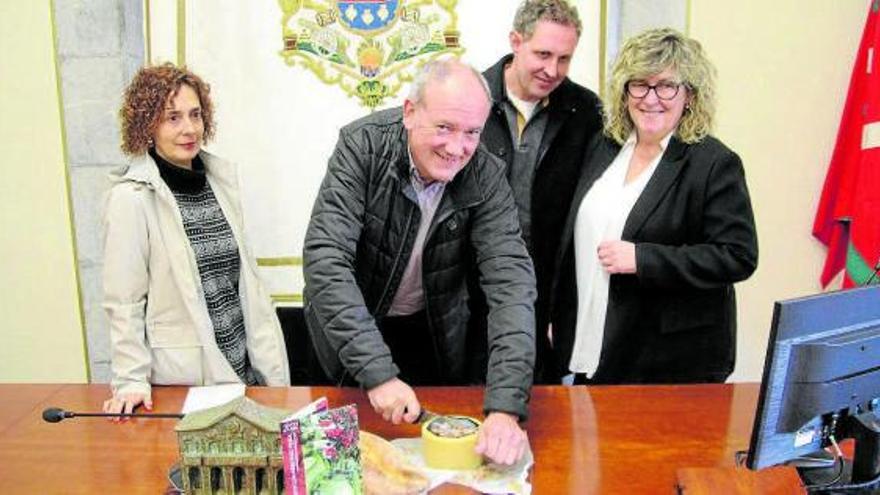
821,373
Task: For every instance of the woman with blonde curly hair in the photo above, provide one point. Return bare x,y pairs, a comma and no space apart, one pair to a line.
660,228
180,289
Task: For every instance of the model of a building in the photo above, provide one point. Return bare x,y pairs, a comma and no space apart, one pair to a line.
232,449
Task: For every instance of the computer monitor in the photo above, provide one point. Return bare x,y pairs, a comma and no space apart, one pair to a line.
821,383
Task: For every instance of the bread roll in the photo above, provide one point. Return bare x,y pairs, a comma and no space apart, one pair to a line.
386,471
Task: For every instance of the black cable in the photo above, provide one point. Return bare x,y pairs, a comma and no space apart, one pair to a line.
870,484
740,460
829,485
838,458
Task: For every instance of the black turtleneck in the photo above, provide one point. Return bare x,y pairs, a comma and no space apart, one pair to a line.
217,258
181,179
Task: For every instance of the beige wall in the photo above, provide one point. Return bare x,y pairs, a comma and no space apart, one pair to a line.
42,338
784,69
783,66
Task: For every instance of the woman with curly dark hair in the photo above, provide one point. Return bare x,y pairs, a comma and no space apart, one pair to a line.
180,289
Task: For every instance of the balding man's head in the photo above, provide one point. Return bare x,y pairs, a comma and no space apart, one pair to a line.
444,116
437,71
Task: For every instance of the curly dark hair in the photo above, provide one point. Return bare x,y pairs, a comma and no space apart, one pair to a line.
144,101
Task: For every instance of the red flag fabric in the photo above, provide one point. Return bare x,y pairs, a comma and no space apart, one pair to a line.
848,217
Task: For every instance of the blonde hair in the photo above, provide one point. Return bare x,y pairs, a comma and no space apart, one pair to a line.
556,11
648,54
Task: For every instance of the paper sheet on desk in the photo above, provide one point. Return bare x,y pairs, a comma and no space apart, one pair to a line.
199,398
488,478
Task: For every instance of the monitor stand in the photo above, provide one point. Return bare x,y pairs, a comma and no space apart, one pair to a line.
865,467
865,429
830,476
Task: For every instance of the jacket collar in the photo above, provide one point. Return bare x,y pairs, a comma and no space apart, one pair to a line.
463,192
143,169
465,189
668,170
562,100
495,77
600,153
402,160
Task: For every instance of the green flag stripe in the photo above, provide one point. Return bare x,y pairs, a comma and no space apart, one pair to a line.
856,266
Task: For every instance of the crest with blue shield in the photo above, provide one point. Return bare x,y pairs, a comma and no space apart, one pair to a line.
367,15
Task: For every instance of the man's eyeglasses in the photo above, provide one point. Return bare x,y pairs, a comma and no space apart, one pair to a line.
665,90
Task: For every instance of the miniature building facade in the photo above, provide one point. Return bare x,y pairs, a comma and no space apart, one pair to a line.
232,449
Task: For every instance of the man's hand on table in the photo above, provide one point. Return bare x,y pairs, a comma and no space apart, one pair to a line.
501,439
395,401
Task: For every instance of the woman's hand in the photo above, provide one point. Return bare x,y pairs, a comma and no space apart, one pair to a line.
617,256
126,403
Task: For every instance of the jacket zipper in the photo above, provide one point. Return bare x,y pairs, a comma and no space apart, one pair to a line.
381,303
439,349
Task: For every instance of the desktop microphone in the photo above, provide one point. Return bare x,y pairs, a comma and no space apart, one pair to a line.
55,414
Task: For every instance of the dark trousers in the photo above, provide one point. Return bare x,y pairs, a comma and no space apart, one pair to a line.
581,379
412,348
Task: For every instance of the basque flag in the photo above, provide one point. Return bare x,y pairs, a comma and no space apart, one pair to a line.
848,218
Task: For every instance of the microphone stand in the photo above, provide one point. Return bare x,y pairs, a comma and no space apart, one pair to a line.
55,415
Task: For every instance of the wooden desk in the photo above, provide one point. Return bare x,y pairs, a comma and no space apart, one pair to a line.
585,440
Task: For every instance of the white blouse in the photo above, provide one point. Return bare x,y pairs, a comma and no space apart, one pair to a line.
601,216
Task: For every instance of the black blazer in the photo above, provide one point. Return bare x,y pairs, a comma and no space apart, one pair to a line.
674,320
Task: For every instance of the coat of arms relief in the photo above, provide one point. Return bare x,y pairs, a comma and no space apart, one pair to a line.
369,48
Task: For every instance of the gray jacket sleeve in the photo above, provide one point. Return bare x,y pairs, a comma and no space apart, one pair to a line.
335,301
508,281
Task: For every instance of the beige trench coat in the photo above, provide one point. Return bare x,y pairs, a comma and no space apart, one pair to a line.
160,329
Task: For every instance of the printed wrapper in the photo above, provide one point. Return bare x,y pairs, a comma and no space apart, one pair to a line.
320,451
291,450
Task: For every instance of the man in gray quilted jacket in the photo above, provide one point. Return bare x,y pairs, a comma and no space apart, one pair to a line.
409,206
